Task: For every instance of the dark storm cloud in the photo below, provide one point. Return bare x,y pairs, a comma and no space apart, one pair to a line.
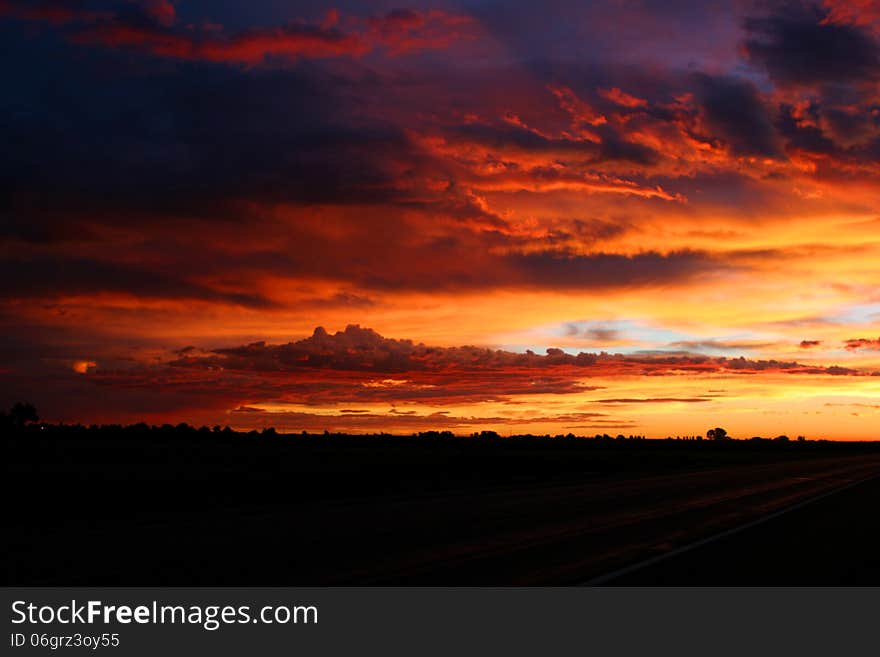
796,44
149,27
178,143
734,112
614,147
451,264
809,138
604,270
851,125
586,231
55,12
338,300
37,228
59,276
147,149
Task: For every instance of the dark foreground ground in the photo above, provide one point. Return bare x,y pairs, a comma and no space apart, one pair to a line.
179,507
832,541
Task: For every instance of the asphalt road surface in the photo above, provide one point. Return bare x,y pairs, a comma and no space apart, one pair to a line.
832,541
512,535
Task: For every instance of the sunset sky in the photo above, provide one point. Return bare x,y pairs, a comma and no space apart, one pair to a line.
630,216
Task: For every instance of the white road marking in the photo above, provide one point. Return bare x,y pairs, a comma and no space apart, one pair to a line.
602,579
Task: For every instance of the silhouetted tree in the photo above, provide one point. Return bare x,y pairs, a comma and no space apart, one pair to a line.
22,413
717,434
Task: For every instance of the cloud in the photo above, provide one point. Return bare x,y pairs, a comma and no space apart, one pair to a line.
401,421
447,265
83,366
654,400
801,128
862,343
801,43
150,28
720,345
809,344
251,47
853,12
602,270
338,300
594,334
175,145
615,95
398,365
734,112
358,369
581,113
519,144
56,12
161,11
405,30
185,173
58,277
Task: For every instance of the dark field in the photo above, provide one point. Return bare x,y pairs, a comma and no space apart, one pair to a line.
178,507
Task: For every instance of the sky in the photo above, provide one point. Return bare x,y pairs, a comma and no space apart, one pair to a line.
631,216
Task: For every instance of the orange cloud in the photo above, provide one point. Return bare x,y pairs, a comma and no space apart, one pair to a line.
580,111
490,195
83,366
358,380
862,343
615,95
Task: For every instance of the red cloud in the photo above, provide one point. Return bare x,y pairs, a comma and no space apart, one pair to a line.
398,32
402,421
580,111
615,95
394,369
56,13
862,343
161,11
404,30
853,12
358,367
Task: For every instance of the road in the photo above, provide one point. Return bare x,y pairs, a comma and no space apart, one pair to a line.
832,541
561,534
515,535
